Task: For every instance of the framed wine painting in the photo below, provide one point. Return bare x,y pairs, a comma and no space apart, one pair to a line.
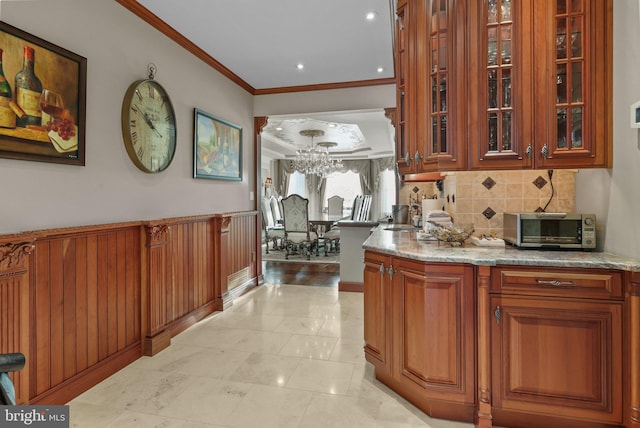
217,152
42,99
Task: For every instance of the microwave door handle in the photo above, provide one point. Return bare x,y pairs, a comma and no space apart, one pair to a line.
552,215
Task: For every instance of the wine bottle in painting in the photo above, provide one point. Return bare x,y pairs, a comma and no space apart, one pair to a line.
28,89
7,116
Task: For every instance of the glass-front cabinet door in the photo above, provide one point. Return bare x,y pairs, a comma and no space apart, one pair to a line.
501,84
576,76
441,85
430,79
404,150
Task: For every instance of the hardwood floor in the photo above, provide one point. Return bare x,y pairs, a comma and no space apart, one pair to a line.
319,274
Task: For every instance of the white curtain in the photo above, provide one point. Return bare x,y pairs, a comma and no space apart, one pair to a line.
368,169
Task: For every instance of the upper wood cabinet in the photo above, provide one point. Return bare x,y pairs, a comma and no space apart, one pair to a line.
440,85
540,83
405,144
430,65
504,84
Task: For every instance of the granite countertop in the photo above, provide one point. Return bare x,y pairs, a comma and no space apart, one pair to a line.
403,243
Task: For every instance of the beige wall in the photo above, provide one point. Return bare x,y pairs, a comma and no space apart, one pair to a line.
118,46
614,195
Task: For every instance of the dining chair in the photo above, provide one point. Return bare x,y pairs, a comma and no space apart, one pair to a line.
355,209
297,229
332,236
272,230
275,210
365,208
9,363
335,205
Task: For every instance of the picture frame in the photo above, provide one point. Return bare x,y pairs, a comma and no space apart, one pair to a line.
56,135
217,148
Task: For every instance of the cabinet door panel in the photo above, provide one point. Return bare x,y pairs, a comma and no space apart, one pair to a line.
558,357
433,332
376,299
405,80
435,300
440,85
501,83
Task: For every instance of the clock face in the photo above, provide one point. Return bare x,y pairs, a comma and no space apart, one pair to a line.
149,126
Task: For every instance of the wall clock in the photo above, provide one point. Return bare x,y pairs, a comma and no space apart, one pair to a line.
149,125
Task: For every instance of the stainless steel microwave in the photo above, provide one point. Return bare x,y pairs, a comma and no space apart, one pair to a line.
551,230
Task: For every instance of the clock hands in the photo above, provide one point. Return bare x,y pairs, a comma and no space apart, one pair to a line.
147,119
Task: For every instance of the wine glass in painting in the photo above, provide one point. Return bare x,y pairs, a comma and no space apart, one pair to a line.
51,103
61,122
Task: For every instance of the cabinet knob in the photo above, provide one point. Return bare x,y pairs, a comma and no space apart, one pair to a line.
407,159
529,151
391,271
545,151
417,157
498,314
382,269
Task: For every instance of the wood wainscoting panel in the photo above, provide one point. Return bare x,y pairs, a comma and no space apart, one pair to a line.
83,302
86,303
191,283
235,256
241,257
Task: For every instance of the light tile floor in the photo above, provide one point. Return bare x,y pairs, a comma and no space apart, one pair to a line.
281,356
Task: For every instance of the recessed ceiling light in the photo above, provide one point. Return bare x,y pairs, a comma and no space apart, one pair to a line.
279,128
371,16
380,69
332,125
300,66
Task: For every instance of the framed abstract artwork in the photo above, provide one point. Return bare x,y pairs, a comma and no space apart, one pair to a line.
42,99
217,152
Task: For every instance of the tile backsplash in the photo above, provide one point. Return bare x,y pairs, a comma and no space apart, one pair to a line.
410,192
481,197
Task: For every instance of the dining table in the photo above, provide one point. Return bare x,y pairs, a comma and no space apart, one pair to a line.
326,220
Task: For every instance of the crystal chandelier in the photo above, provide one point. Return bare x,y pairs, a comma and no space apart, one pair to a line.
316,160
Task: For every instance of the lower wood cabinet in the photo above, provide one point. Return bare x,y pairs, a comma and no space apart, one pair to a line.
419,332
557,357
433,329
509,346
557,347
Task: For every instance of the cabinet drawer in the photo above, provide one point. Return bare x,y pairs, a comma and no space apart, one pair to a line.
560,282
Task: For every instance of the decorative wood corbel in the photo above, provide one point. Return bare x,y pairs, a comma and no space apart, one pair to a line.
12,255
156,234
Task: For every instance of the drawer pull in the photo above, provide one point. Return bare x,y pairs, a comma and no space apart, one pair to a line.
554,282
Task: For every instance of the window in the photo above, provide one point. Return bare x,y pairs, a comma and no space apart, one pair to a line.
344,184
387,191
297,184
